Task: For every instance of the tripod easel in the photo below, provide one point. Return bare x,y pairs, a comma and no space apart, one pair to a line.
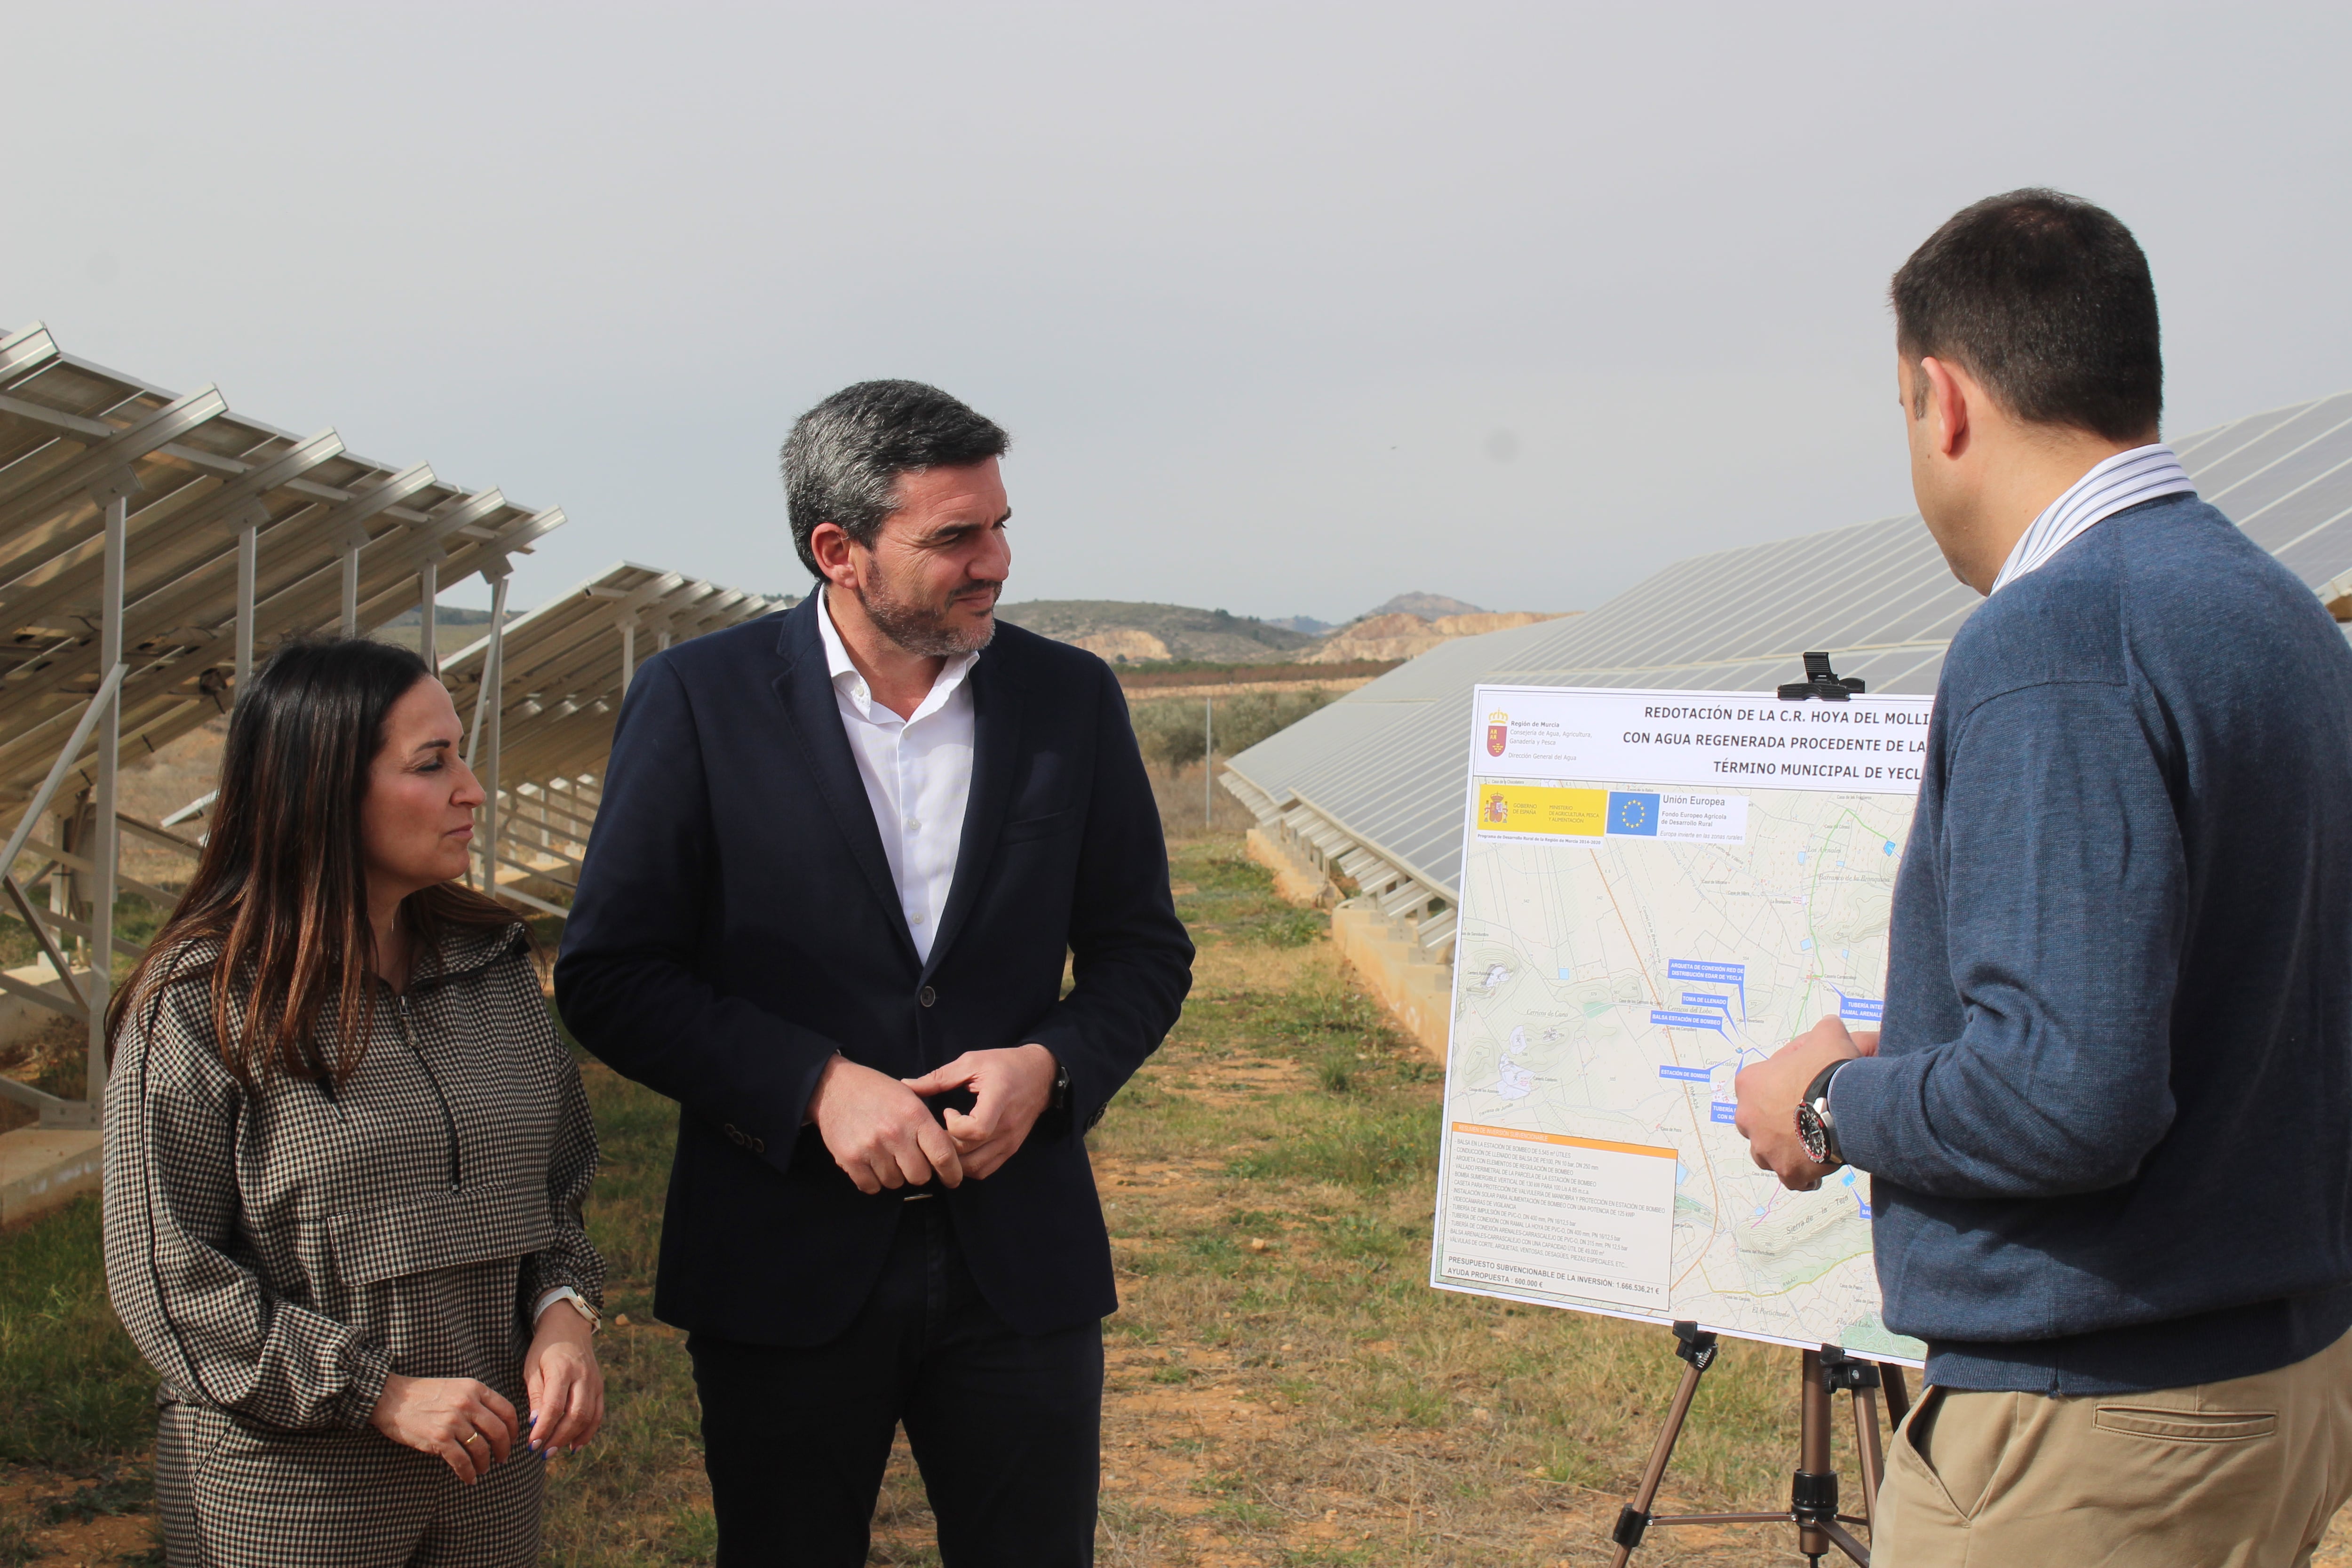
1813,1495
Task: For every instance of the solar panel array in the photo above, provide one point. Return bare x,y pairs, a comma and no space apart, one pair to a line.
1374,783
199,476
153,546
559,672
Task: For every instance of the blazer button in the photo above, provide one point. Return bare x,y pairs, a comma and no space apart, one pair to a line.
927,996
732,1135
759,1145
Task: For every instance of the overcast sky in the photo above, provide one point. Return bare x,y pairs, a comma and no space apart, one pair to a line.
1289,308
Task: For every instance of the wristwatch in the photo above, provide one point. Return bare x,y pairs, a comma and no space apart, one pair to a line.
1061,1084
578,1304
1813,1122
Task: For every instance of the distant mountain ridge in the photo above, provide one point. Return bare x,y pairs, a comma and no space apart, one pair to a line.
1127,632
1428,606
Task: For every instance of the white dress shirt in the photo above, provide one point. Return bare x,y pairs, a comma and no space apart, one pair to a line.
918,775
2123,481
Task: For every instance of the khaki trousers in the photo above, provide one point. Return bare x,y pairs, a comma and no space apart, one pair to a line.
2242,1474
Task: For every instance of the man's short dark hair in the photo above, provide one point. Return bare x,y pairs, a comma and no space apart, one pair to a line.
845,455
2047,301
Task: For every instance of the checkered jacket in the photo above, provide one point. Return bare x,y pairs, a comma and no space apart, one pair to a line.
276,1253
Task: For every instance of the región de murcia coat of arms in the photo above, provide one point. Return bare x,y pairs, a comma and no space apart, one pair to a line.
1498,731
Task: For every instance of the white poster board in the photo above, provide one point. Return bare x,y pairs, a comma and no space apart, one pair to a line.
1657,888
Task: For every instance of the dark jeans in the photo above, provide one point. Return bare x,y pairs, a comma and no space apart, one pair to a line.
1006,1427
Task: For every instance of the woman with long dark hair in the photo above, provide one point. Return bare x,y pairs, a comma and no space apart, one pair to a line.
346,1154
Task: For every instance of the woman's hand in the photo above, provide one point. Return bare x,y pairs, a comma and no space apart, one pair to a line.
565,1385
469,1424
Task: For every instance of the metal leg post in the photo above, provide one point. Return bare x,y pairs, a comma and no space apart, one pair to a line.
248,552
1698,1351
106,837
351,591
428,636
494,676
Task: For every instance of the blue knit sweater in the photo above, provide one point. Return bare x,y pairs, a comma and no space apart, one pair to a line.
2109,1126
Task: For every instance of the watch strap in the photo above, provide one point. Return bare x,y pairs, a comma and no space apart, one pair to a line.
578,1303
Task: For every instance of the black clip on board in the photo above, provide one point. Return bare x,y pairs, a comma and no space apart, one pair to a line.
1821,681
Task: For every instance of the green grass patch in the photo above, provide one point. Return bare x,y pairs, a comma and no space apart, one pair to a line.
1223,896
74,1392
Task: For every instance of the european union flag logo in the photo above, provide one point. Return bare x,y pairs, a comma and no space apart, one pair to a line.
1634,813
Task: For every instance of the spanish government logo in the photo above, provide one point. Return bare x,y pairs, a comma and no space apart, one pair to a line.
1498,731
1498,809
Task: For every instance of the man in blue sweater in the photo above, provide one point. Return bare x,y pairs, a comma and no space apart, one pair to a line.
2109,1119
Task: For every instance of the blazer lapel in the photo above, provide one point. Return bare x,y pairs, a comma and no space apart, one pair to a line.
995,750
813,714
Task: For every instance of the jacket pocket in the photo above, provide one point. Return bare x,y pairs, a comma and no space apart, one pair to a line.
433,1231
1053,821
2186,1425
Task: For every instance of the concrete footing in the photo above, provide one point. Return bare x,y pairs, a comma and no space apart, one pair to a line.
1416,990
1296,880
42,1170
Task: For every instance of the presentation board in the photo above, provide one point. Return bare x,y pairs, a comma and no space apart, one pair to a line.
1657,888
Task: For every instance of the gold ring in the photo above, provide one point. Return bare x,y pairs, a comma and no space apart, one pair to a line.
469,1440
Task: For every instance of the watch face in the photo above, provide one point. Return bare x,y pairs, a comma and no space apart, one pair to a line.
1810,1129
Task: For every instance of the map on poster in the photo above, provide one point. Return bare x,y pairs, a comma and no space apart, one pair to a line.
1657,888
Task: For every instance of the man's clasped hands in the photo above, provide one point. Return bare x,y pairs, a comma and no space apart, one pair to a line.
881,1133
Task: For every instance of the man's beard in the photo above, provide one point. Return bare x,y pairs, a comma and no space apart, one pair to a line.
921,630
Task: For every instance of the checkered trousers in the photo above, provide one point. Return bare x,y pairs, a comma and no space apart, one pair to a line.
231,1494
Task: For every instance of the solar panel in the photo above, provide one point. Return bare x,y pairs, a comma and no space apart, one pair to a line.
152,547
1384,769
559,673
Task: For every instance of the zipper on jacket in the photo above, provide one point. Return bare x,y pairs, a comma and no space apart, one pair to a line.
399,1012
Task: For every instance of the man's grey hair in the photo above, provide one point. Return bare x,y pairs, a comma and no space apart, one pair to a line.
844,456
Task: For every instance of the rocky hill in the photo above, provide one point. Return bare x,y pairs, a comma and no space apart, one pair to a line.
1129,633
1428,606
1125,632
1397,635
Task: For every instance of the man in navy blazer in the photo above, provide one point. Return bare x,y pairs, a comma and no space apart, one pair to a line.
841,857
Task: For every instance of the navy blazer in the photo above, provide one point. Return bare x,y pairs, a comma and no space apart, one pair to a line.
736,925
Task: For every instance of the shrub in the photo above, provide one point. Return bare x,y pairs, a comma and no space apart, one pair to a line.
1169,728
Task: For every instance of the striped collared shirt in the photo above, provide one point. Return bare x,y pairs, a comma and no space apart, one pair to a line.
2125,479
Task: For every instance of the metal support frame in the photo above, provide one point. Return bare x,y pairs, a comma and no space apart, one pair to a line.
248,554
628,621
103,717
351,622
491,695
106,845
429,644
1813,1490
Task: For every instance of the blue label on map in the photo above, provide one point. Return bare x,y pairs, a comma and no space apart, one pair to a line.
1865,1210
1723,1114
1634,813
1706,999
1706,972
1685,1075
1666,1020
1861,1009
